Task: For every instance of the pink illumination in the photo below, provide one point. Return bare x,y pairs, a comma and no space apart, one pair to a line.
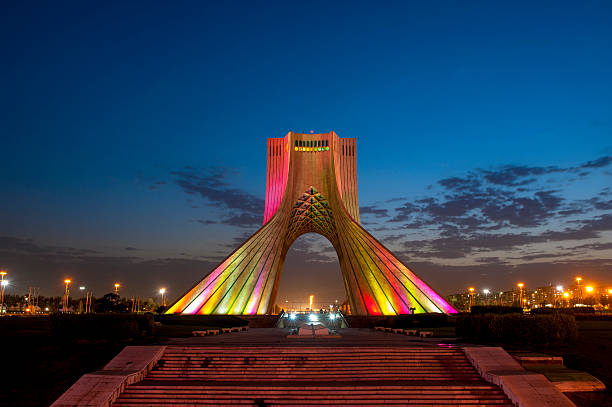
310,189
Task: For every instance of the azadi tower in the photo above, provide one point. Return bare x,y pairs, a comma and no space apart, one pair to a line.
311,187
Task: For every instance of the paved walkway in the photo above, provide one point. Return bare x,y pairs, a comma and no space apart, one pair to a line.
278,337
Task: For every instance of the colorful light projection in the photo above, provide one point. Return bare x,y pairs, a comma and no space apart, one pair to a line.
311,193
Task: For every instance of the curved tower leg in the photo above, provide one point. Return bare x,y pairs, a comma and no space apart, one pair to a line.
311,187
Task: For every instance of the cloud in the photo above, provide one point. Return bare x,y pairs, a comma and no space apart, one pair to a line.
211,185
374,210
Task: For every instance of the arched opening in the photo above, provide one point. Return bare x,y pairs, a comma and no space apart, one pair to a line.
311,268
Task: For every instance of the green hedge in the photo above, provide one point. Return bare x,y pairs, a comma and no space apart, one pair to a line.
518,328
219,321
495,309
101,326
568,311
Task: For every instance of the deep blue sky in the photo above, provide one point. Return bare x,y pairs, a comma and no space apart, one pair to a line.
106,107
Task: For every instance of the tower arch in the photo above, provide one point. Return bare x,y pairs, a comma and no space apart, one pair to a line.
311,187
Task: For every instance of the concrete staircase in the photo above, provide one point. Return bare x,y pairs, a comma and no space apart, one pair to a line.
307,376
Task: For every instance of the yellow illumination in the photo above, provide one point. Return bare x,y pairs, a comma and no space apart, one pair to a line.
520,285
609,290
578,279
3,273
296,149
589,289
566,294
311,298
67,281
471,289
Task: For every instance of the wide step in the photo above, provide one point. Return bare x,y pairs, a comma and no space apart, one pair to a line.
312,376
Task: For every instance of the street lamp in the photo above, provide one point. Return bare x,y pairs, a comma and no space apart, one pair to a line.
578,280
310,300
520,286
162,291
471,295
117,285
65,307
589,289
486,293
2,285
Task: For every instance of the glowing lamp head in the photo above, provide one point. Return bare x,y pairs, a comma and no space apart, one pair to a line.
559,288
313,317
67,281
589,289
520,285
566,294
578,279
117,285
609,290
82,287
4,283
3,273
162,291
486,291
471,289
292,316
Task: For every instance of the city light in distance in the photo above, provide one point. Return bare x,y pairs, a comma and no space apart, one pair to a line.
5,283
162,291
589,289
486,291
560,288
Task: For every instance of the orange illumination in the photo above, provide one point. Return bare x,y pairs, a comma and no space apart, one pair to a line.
566,294
3,273
520,285
589,289
579,279
471,289
311,298
117,285
67,281
609,290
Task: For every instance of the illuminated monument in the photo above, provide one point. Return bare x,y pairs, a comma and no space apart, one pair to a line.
311,187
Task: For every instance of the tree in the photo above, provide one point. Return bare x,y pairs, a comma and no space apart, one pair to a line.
110,302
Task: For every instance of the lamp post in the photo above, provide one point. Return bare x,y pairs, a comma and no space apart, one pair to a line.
65,306
162,291
486,293
310,300
578,280
2,285
520,286
117,285
471,296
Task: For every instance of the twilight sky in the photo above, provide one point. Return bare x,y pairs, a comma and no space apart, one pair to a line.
133,137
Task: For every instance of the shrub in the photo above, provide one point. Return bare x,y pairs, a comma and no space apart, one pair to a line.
495,309
219,321
518,328
568,311
428,320
101,326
